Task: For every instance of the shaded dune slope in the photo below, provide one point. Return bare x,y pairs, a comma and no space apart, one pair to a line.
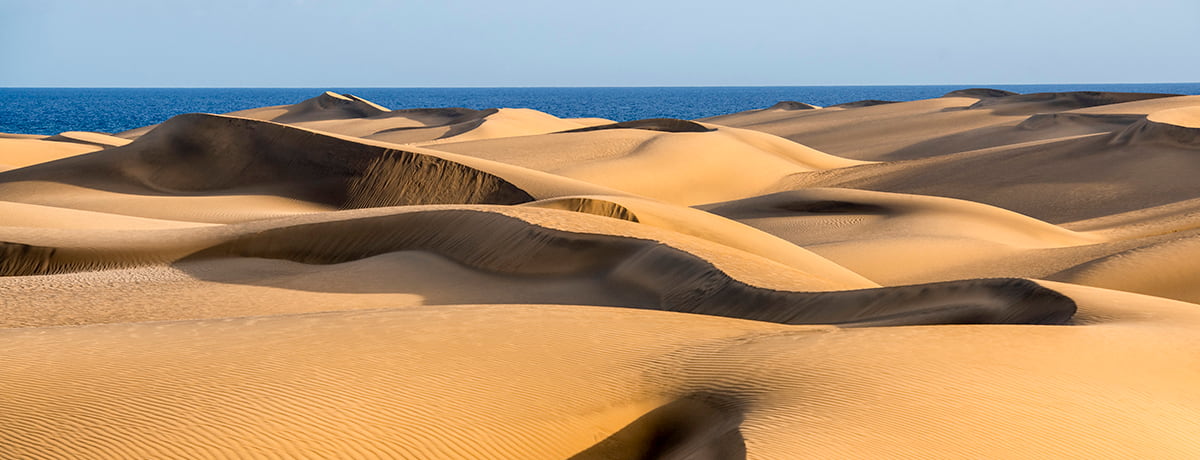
1079,177
709,227
197,154
686,275
960,121
666,125
1029,104
328,106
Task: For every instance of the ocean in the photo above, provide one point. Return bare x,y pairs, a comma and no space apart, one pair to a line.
112,110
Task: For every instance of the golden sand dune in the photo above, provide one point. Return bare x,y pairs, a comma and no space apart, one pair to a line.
707,164
982,275
19,152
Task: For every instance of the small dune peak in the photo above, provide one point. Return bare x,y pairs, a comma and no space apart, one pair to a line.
1178,127
331,100
792,105
666,125
334,96
862,103
980,93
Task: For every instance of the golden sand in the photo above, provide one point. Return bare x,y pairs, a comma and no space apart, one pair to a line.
982,275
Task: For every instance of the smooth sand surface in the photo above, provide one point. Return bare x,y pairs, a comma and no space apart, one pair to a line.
982,275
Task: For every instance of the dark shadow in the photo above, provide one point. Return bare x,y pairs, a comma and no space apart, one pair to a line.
1038,127
1029,104
201,154
699,426
980,93
862,103
791,105
666,125
832,207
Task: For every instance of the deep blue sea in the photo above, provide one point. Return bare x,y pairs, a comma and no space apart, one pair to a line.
54,110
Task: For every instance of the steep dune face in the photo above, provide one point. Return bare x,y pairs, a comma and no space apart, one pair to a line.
328,106
1178,127
336,279
197,153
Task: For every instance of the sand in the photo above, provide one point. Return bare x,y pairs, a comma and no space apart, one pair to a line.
982,275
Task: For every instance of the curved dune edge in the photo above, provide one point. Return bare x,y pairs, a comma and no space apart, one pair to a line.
692,278
898,239
667,125
836,211
704,225
1179,126
1156,269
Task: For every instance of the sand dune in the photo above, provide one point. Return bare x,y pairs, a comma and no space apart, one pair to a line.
21,152
353,116
210,157
981,275
707,164
678,272
1133,163
961,121
350,115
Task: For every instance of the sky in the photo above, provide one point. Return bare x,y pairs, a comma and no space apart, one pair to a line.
447,43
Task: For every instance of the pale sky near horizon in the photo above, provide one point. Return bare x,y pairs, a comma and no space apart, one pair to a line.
356,43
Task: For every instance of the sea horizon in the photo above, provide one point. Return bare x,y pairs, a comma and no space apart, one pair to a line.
51,110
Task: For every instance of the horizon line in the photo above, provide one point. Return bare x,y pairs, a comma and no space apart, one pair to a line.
972,85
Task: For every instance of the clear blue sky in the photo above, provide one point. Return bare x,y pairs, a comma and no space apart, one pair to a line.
349,43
